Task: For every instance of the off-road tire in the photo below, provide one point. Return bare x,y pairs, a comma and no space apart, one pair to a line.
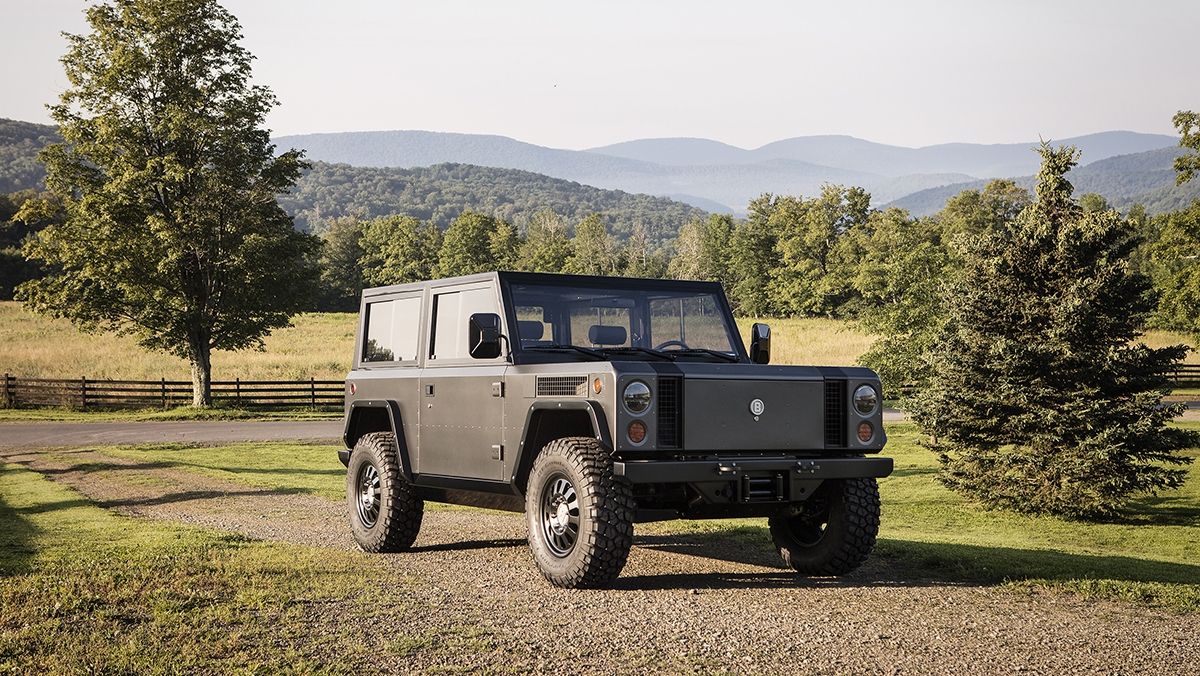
605,514
851,515
398,519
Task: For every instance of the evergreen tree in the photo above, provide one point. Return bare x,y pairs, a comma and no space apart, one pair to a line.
398,250
169,181
593,250
467,245
546,247
1039,400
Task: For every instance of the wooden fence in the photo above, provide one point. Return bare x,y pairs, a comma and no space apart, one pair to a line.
85,393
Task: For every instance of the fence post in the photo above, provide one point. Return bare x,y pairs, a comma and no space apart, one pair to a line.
83,392
313,384
163,391
237,392
8,398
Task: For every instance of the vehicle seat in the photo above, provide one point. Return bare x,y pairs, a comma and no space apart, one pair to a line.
607,335
531,333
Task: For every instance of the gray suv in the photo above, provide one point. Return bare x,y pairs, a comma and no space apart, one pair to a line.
592,403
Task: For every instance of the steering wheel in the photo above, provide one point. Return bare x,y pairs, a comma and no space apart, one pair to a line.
672,343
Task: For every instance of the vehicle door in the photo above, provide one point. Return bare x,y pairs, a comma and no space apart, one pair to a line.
462,413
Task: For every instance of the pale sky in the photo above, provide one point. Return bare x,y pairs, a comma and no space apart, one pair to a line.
573,74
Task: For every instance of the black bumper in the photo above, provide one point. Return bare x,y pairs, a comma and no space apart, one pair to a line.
344,456
699,471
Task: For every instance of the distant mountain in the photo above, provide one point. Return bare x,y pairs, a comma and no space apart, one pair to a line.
855,154
1146,178
441,192
708,172
19,146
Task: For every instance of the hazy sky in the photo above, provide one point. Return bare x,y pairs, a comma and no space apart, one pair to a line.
578,74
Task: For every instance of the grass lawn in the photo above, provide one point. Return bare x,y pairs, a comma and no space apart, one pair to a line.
83,590
928,533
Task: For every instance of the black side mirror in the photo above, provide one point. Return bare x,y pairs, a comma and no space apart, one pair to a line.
760,344
483,335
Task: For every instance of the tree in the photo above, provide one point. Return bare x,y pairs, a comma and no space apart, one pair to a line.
752,258
811,278
640,257
169,183
39,211
504,244
1093,203
399,250
341,271
546,247
1188,124
467,245
1039,400
702,249
593,250
1173,262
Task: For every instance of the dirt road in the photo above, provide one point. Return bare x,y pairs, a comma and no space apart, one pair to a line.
49,433
685,602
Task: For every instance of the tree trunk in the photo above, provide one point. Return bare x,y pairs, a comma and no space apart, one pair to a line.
201,375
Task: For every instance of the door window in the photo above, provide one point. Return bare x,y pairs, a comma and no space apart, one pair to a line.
451,313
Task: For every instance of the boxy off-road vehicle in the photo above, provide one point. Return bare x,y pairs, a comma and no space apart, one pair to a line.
592,403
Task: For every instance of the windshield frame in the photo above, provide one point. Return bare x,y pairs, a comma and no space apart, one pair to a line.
526,356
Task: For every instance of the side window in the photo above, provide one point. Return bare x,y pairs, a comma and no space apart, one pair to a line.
392,331
451,312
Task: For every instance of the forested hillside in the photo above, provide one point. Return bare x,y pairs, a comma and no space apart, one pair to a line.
440,193
19,146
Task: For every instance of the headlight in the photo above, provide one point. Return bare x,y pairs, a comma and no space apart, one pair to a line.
866,400
637,397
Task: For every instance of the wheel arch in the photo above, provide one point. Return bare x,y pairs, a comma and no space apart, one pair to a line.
548,420
375,415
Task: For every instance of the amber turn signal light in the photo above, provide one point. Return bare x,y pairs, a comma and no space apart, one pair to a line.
597,385
637,431
865,432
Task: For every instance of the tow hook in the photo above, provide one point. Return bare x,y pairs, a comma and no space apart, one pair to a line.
807,467
727,470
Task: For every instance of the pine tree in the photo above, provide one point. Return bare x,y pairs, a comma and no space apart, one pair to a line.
1039,400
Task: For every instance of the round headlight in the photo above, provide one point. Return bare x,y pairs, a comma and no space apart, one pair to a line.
866,399
637,397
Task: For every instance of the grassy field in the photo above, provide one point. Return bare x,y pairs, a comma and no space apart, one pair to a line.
83,590
928,532
319,346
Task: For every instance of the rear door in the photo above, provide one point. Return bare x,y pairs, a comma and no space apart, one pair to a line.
462,406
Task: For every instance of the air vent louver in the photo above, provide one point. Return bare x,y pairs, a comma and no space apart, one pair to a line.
835,413
562,386
670,413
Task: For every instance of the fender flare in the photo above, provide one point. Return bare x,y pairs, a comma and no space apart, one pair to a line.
395,422
525,455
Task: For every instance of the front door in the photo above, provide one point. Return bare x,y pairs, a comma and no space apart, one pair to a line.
462,406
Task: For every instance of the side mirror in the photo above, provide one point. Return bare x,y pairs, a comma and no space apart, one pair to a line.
483,335
760,344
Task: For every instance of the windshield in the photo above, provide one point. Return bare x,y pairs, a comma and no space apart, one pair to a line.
676,322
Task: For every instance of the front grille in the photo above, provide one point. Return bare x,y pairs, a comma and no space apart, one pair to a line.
562,386
670,412
835,413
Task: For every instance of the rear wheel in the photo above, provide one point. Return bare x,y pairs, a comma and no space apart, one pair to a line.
833,532
580,515
385,514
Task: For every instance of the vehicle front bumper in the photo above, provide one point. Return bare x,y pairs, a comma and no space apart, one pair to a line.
732,469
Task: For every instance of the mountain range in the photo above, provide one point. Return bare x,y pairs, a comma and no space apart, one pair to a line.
715,176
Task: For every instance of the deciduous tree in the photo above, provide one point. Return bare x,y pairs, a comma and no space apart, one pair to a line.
399,250
169,182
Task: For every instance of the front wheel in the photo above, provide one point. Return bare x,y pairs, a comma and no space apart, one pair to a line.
580,515
833,532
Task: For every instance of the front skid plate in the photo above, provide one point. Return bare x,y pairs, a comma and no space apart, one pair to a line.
695,471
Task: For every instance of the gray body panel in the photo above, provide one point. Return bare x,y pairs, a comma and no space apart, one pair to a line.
717,415
462,422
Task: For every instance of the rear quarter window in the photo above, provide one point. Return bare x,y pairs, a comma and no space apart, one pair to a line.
392,330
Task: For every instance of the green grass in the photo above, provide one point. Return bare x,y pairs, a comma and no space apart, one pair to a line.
155,414
928,532
83,590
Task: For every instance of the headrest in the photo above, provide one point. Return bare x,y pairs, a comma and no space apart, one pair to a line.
531,330
606,335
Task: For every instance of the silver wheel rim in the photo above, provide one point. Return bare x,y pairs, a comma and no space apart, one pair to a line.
559,515
367,496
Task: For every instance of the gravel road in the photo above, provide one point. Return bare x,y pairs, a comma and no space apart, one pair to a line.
685,602
47,433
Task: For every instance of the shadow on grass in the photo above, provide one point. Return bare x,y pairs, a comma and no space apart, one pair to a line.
899,563
16,539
